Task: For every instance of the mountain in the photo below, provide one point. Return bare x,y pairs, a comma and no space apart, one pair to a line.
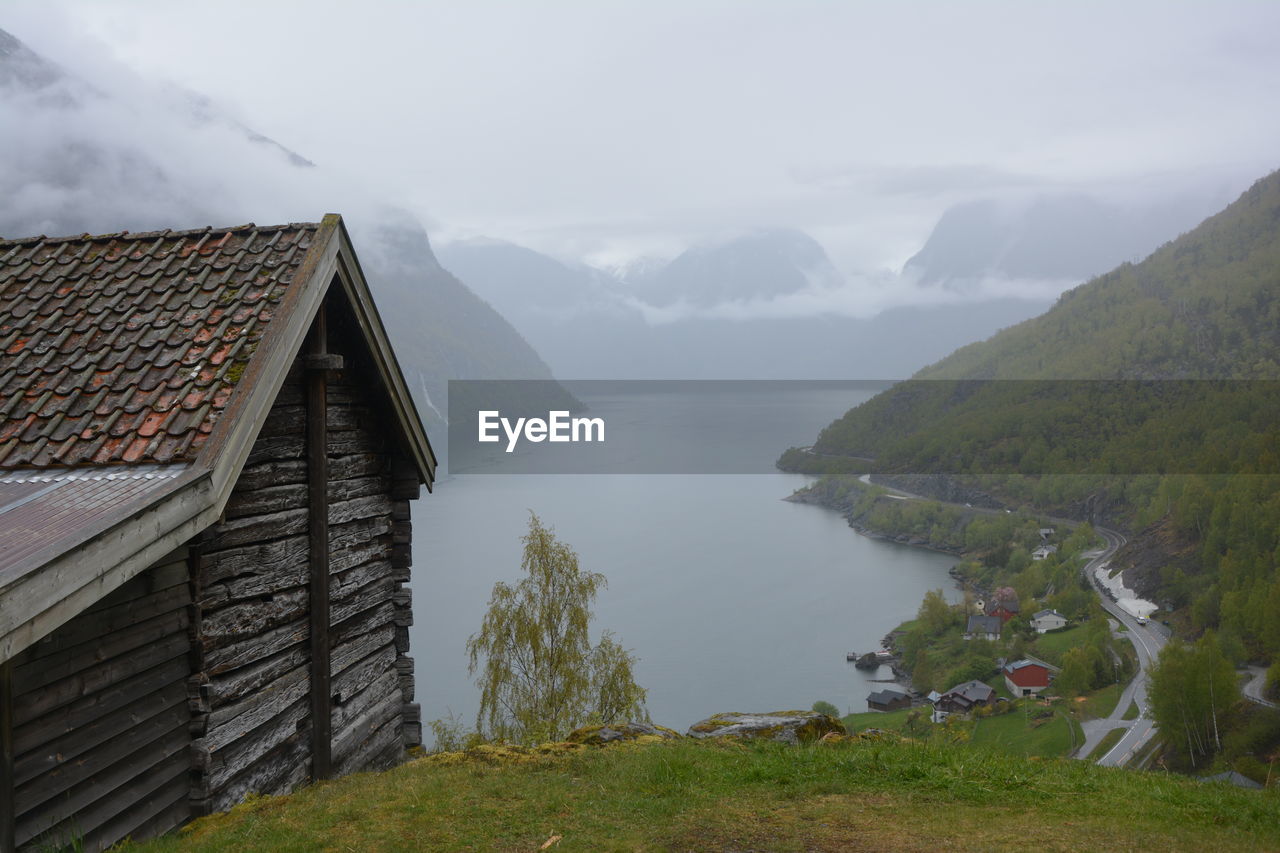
80,159
761,265
1055,237
1152,389
715,312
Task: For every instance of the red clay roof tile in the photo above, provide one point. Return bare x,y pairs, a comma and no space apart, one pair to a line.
125,347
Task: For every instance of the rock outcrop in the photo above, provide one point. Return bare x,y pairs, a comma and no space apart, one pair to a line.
620,732
783,726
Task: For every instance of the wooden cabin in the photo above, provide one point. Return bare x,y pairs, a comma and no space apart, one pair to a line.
207,454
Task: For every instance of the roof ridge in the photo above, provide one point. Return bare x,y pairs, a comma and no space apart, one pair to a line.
151,235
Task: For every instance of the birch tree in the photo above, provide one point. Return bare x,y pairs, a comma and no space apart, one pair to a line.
540,677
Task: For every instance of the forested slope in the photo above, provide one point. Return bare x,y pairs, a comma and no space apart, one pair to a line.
1149,391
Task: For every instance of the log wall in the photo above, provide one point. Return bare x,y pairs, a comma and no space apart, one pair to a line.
250,693
100,718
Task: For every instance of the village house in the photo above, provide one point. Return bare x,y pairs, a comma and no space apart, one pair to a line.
983,627
1048,620
1028,677
888,699
207,454
1004,609
1043,551
963,698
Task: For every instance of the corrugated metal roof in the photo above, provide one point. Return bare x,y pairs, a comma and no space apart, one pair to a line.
125,348
50,511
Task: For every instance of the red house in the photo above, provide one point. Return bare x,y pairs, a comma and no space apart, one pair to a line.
1027,677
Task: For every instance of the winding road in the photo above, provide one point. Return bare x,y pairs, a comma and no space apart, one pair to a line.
1147,641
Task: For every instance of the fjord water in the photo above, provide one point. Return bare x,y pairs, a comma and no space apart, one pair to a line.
733,599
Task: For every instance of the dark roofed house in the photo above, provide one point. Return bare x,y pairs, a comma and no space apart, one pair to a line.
888,700
983,627
965,697
1005,609
207,453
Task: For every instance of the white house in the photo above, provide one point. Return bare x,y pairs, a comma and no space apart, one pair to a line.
1048,620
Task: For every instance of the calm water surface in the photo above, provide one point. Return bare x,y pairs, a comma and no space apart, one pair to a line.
732,598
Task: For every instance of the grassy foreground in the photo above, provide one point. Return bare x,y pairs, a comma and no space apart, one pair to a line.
684,795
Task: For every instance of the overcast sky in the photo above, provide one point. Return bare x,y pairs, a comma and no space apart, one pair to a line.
604,130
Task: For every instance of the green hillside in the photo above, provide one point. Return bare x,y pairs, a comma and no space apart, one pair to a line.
874,794
1144,399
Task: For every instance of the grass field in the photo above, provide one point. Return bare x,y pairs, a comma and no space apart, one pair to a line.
892,720
854,795
1051,646
1100,703
1016,734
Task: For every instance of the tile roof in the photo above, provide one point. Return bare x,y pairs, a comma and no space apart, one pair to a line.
125,348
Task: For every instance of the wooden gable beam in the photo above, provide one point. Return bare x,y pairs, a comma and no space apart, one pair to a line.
318,362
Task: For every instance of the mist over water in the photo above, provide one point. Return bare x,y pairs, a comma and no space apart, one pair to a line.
733,598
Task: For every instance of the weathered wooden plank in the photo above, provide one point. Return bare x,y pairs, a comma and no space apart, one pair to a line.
411,714
169,571
224,658
354,738
46,699
256,528
59,795
281,771
167,628
91,627
8,813
232,722
402,558
378,751
239,683
352,581
349,654
240,754
166,728
369,551
276,449
356,441
404,670
249,619
366,507
166,819
355,465
347,713
266,501
364,622
360,675
275,472
369,596
147,795
401,533
45,727
356,533
262,558
292,419
74,744
357,487
400,511
402,639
